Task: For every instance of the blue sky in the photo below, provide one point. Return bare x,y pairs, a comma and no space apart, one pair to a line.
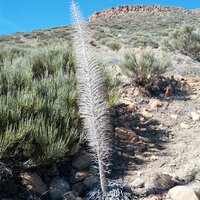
27,15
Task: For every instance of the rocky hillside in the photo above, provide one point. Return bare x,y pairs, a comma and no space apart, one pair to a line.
124,9
139,25
155,125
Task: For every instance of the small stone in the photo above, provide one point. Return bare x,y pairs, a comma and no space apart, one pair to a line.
93,170
174,116
163,181
153,158
79,188
90,182
136,92
119,35
195,116
53,171
150,146
58,187
146,114
126,102
126,134
130,150
112,112
185,126
139,173
131,107
140,147
33,182
79,176
71,196
193,96
197,176
182,193
156,198
82,161
6,199
137,183
155,103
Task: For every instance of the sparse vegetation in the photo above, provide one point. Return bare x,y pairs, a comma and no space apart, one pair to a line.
113,45
144,67
111,86
42,124
186,41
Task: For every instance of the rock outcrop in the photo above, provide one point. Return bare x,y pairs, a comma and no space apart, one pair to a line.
155,9
196,10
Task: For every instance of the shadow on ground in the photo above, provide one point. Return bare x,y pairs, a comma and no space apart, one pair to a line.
135,139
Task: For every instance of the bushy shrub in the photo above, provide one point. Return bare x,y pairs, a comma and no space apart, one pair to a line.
38,113
144,66
8,53
115,46
187,41
111,84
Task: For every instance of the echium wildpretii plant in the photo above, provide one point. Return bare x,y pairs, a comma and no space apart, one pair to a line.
92,108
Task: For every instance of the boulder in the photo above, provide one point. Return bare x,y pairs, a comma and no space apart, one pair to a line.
79,188
163,181
138,183
58,187
182,193
195,116
184,125
82,161
71,196
33,182
90,182
157,197
79,176
155,103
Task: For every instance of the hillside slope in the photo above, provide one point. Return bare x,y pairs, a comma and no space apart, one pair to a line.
155,137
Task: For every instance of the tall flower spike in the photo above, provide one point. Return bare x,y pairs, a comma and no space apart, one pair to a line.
92,101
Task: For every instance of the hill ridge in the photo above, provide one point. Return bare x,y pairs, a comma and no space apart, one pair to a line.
124,9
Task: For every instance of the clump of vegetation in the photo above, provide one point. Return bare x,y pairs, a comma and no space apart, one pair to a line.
38,113
146,71
113,45
186,41
145,67
111,85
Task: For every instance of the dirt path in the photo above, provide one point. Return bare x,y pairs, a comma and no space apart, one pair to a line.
168,141
178,154
168,138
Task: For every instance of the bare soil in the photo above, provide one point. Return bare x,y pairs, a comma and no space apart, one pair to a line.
168,136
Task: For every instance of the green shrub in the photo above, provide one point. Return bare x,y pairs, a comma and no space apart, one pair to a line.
5,38
113,45
111,84
187,41
11,52
104,40
39,33
145,66
39,118
38,112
